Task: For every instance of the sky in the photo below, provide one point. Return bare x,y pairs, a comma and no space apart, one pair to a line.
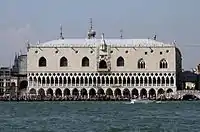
39,20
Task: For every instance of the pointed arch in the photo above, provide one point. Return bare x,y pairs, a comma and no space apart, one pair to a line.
84,92
135,93
30,79
102,64
86,80
167,80
85,62
141,64
115,81
160,91
39,80
124,80
152,93
92,92
128,80
48,80
41,92
77,80
137,80
50,92
126,93
73,80
111,80
118,92
132,80
120,80
109,92
154,80
90,80
163,64
103,80
163,80
32,91
150,80
145,80
58,92
69,80
141,81
81,80
60,80
100,92
171,80
158,80
42,62
65,80
35,80
107,80
98,80
30,82
52,80
75,92
63,62
66,92
143,93
43,80
169,90
94,80
56,80
120,61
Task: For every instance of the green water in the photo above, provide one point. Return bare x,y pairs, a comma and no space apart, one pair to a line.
99,117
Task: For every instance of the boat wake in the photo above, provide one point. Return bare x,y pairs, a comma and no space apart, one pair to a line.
143,101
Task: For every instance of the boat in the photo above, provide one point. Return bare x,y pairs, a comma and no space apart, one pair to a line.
158,102
145,101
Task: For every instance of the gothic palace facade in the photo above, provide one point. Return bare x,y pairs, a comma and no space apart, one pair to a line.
95,67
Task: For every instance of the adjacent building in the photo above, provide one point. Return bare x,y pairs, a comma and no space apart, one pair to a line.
5,80
189,80
198,69
19,74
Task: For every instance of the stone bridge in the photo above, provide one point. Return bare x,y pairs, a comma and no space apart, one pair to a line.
181,93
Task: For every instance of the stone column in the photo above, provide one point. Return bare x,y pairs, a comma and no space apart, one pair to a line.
54,82
62,92
37,82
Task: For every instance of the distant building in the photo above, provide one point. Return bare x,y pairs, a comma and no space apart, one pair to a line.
198,69
198,72
5,80
13,81
189,80
20,65
19,72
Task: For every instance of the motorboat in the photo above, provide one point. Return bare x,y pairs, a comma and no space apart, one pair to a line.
145,101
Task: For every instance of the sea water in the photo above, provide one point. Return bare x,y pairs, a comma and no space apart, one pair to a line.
100,117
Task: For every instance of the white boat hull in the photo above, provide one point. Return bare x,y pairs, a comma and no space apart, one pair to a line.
133,101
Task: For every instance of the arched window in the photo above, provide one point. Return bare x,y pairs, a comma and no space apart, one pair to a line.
85,62
63,62
141,64
42,62
163,64
102,64
120,61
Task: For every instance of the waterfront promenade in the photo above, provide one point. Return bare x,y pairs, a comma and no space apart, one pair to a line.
178,95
